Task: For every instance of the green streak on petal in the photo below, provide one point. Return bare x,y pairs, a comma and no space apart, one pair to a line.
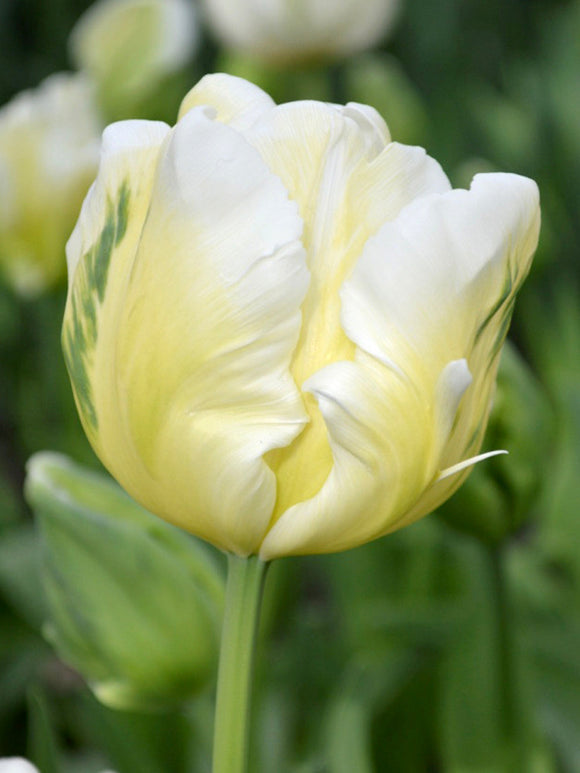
99,265
73,347
87,295
501,312
504,323
507,291
122,213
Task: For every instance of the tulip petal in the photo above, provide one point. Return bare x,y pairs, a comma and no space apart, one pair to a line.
348,182
426,306
415,287
237,102
101,248
369,121
335,162
380,451
468,463
220,319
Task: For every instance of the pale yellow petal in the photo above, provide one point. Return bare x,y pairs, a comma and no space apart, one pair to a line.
429,281
337,164
381,447
100,253
425,306
438,284
194,386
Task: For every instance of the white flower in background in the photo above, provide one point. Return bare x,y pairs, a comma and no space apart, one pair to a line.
49,151
20,765
293,30
128,46
16,765
283,329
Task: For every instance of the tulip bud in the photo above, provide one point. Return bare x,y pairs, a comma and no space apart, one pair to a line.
497,499
129,47
135,605
283,329
49,152
286,31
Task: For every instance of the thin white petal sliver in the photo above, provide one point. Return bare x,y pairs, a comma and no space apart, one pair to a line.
467,463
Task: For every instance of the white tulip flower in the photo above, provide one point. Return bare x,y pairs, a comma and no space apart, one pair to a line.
49,151
128,47
20,765
282,328
294,30
16,765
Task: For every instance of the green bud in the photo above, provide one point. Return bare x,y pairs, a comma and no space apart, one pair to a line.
134,604
497,498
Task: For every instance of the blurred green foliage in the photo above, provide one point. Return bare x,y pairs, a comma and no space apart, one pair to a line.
450,647
141,645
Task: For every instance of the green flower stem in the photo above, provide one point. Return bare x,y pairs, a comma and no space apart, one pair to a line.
236,665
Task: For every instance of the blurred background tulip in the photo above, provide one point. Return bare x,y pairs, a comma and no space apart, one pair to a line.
291,31
134,52
49,144
16,765
20,765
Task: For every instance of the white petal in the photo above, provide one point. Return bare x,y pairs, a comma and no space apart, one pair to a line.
206,332
347,184
378,427
451,386
236,101
415,304
432,294
100,253
370,121
468,463
426,282
123,148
